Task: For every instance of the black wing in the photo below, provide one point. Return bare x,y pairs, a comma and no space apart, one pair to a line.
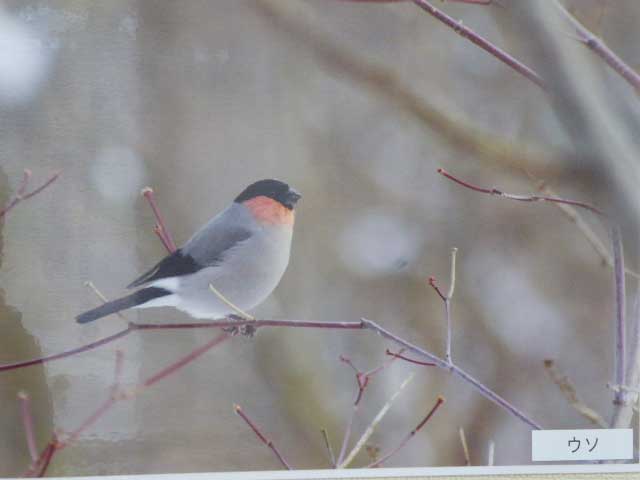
173,265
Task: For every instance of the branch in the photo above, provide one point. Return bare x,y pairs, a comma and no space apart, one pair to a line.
363,324
569,391
482,42
601,49
410,360
446,299
520,198
409,436
27,422
20,192
327,444
260,435
572,214
620,350
160,228
465,447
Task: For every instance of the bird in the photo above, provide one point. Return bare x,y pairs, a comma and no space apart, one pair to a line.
242,252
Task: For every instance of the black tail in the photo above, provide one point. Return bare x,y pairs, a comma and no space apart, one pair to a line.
136,298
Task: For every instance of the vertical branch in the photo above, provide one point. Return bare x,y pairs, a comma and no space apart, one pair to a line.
465,447
327,444
446,299
620,350
491,453
161,227
27,421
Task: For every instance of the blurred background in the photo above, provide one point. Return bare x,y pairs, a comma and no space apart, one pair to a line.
356,105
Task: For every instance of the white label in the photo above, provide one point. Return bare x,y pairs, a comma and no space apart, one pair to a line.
600,444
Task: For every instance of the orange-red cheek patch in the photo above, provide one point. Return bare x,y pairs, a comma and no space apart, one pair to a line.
267,210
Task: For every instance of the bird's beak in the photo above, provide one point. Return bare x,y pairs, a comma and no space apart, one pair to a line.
293,196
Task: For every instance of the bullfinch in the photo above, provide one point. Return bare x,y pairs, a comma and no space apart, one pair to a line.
242,252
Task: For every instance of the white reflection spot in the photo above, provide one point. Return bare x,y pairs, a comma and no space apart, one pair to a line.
23,61
377,243
118,174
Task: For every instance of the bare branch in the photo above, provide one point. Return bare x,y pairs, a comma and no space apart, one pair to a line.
573,215
569,391
520,198
465,447
327,444
601,49
27,422
620,350
20,192
411,434
482,42
161,227
261,436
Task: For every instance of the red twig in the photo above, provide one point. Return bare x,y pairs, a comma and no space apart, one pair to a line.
261,436
20,192
409,436
434,285
161,227
410,360
27,422
165,372
520,198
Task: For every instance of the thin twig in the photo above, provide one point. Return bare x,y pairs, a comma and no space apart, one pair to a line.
231,305
465,447
374,423
601,49
327,444
261,436
410,360
520,198
482,42
569,391
161,227
27,422
409,436
574,216
491,453
620,350
20,192
362,381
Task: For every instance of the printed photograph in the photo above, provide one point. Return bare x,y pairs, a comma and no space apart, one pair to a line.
257,235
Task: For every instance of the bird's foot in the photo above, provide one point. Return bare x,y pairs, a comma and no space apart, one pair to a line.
246,330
